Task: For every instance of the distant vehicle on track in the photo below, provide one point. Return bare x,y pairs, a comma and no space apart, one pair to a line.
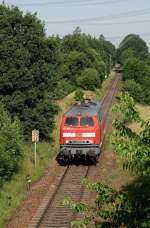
81,133
117,68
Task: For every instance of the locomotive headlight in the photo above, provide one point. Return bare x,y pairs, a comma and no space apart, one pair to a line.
89,134
90,141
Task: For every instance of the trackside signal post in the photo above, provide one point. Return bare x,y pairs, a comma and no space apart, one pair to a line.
35,139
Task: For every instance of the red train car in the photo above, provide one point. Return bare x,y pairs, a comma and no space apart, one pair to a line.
81,132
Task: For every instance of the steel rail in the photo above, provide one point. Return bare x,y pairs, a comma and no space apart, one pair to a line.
112,91
69,183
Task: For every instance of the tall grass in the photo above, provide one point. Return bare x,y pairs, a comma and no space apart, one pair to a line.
144,113
12,193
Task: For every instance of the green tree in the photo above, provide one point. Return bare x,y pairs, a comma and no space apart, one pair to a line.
77,30
74,42
126,54
96,62
81,42
76,62
79,95
10,145
128,207
89,79
136,44
136,72
134,89
134,69
146,88
63,88
35,68
29,68
107,51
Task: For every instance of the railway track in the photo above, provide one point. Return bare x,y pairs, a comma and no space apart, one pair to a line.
53,213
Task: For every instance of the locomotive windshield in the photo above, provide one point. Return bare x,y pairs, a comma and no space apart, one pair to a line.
86,121
71,121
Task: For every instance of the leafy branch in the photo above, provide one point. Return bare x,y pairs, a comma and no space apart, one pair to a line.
129,207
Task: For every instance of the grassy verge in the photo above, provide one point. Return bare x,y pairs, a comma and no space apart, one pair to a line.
13,193
144,113
119,176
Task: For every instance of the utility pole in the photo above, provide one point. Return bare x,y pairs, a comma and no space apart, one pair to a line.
110,62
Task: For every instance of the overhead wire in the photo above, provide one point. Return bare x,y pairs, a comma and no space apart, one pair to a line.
102,18
118,23
96,20
68,3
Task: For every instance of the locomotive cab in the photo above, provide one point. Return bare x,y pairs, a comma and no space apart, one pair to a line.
81,132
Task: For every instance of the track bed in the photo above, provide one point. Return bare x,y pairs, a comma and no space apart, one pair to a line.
53,213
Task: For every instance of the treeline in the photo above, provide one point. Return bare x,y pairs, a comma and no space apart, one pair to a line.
35,69
133,54
10,145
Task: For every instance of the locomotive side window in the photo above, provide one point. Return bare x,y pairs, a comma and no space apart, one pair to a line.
99,116
71,121
86,121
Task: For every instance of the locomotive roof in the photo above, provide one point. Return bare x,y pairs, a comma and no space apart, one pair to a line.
84,109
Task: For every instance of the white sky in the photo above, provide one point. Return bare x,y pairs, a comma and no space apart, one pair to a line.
62,16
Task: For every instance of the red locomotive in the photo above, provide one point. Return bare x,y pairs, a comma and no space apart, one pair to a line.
81,132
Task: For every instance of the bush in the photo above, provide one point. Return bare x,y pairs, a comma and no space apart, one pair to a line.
62,89
75,62
134,69
146,90
41,118
134,89
89,79
79,95
29,69
10,145
132,46
136,73
129,206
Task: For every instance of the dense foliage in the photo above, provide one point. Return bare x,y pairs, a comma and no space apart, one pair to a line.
27,69
35,69
133,54
129,207
134,89
10,145
79,95
83,53
89,79
139,73
132,46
